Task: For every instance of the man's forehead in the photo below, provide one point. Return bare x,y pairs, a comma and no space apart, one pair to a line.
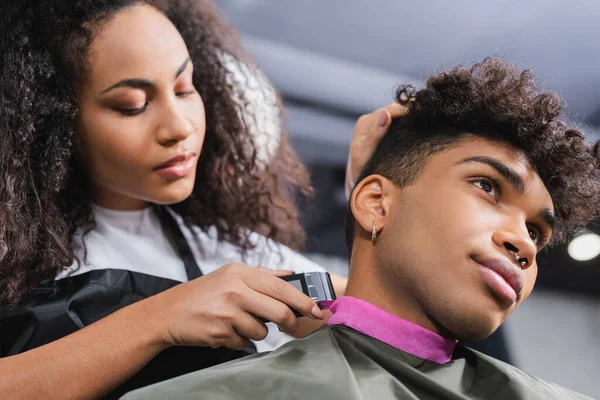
475,146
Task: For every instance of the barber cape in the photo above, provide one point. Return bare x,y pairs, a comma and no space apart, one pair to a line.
364,353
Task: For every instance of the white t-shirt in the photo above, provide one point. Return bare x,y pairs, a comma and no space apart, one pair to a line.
135,241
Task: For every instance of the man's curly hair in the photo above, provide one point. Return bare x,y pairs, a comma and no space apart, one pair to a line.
44,192
494,100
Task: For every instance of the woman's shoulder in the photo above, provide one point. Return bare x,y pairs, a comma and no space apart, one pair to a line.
211,253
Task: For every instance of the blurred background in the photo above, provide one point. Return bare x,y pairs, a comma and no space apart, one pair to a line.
335,60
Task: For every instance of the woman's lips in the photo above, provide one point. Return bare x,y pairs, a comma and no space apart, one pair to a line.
502,276
178,166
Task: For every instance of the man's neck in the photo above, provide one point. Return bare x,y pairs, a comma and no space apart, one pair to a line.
404,335
367,283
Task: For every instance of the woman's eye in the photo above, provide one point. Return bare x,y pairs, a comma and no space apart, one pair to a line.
486,187
184,94
132,111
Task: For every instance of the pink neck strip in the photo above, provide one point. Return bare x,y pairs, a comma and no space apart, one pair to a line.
388,328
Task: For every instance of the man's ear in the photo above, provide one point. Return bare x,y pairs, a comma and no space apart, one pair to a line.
371,201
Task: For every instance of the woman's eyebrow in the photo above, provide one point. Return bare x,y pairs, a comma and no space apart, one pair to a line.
139,83
132,83
182,67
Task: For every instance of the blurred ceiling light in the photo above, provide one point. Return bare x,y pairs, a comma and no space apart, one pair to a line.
584,247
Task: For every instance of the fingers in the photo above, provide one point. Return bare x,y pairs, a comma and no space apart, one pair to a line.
283,291
224,334
234,341
250,326
385,116
276,272
396,110
225,307
272,310
373,126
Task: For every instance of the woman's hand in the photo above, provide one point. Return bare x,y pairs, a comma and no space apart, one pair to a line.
368,131
229,306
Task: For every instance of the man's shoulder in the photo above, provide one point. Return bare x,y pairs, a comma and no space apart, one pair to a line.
543,389
299,356
254,376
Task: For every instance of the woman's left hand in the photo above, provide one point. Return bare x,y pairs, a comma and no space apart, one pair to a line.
368,132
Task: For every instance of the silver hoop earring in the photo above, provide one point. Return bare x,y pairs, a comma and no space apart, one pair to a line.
374,233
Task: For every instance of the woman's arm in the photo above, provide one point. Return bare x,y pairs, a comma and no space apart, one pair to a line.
86,364
223,308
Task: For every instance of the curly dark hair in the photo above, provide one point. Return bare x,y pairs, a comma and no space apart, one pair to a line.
44,192
494,100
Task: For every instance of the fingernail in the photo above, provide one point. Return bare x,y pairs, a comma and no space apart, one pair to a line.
383,118
317,313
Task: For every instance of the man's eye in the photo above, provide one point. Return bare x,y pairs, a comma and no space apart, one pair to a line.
486,186
533,235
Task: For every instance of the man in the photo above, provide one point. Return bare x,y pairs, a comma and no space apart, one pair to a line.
443,228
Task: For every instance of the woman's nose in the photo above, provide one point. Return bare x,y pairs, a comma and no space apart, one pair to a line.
174,127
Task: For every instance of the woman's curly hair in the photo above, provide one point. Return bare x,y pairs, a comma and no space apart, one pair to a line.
44,193
494,100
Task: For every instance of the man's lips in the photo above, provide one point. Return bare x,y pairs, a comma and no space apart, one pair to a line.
502,275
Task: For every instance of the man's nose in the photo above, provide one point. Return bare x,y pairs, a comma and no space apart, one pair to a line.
518,245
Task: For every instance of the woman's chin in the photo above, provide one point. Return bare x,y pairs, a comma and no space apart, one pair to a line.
173,195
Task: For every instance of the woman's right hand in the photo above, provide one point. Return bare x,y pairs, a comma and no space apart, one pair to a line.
227,307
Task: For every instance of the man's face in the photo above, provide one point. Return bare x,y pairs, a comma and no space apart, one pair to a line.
450,240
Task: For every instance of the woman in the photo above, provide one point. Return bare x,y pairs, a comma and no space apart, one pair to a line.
110,111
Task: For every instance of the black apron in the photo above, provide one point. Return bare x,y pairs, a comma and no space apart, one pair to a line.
58,308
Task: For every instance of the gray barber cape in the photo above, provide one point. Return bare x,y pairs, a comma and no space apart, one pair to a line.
340,362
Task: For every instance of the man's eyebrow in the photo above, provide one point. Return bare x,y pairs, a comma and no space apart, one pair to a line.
516,181
513,178
548,217
137,83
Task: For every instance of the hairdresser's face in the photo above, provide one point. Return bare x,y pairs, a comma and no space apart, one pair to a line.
450,238
142,122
